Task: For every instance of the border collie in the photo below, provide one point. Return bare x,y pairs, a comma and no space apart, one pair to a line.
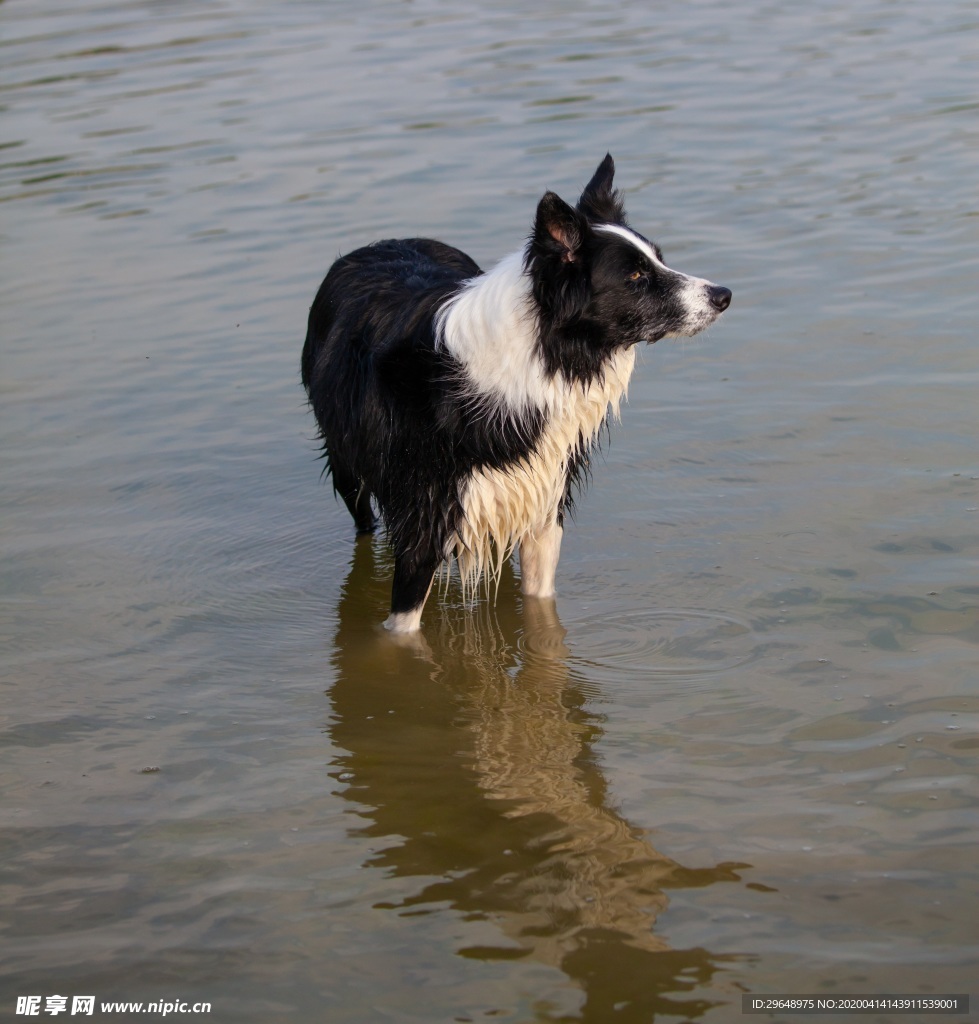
462,406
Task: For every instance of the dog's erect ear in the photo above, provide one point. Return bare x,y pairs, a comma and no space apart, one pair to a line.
599,201
559,230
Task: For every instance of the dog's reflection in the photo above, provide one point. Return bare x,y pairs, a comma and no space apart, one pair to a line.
470,760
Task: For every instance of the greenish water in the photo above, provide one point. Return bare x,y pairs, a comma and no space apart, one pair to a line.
740,753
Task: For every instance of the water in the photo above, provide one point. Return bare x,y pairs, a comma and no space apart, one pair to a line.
741,755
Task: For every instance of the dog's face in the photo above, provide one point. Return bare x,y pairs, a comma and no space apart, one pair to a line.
632,285
599,285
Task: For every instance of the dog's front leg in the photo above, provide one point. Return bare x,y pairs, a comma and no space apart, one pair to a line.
412,583
539,554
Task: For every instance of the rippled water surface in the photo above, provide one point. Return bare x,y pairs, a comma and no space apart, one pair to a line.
740,753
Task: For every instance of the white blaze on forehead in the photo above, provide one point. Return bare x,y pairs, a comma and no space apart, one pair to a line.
630,236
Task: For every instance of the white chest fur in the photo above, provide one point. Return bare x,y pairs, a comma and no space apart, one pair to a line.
489,327
503,506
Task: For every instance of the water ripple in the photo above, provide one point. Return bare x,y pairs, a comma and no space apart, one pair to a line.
663,642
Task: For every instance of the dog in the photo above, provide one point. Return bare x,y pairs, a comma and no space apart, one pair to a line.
462,405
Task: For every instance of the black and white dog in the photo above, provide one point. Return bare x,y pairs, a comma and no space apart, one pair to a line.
462,405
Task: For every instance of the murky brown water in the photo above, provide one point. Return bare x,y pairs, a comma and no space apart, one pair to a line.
738,755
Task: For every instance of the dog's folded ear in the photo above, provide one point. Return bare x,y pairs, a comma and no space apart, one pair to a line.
559,230
599,201
557,260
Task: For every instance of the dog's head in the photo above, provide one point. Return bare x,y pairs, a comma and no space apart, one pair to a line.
600,285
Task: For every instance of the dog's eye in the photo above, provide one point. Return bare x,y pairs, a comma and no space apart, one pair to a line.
636,275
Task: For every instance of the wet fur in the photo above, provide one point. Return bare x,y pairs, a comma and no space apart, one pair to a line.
462,405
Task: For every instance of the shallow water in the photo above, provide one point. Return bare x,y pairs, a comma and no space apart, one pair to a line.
740,753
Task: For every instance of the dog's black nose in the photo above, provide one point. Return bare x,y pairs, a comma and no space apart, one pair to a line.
720,298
